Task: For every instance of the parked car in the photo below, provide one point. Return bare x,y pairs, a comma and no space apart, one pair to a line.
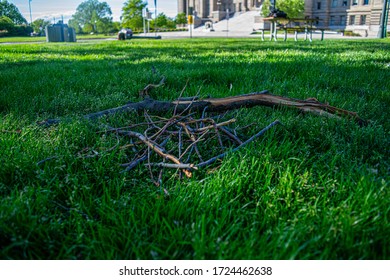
125,33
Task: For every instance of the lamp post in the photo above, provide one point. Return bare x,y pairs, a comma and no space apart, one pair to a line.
219,8
29,5
227,22
155,17
384,18
143,20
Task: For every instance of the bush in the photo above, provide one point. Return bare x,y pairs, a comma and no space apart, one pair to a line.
6,24
21,30
351,33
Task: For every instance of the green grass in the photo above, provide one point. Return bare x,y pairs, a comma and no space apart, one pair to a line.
43,38
316,188
22,39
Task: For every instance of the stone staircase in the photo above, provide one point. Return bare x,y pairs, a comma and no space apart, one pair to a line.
240,22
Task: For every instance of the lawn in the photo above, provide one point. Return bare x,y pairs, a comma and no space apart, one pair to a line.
34,39
314,188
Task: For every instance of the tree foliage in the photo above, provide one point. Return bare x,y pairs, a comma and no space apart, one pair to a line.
163,21
132,14
12,12
293,8
92,16
6,24
181,18
39,25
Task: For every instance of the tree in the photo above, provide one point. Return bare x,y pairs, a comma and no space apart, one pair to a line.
39,25
6,24
91,14
104,26
181,18
76,25
132,14
11,11
116,26
293,8
162,21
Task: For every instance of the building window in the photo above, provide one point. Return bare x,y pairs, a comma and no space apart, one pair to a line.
318,5
351,20
345,3
363,19
366,2
335,2
331,21
354,2
342,20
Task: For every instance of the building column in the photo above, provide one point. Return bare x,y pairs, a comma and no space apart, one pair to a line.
182,6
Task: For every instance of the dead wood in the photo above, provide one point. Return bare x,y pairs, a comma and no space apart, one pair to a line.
257,135
145,91
310,105
182,141
155,147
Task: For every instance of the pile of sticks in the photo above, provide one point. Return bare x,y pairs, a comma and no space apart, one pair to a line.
186,143
183,142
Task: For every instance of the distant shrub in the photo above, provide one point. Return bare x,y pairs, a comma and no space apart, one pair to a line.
351,33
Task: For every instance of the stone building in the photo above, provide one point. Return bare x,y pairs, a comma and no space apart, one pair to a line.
215,10
360,16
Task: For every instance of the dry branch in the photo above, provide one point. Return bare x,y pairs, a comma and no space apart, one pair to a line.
310,105
145,91
187,134
155,147
257,135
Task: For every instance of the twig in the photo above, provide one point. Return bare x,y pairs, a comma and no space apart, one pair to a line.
188,130
134,163
129,166
257,135
214,124
46,159
193,144
180,142
145,91
71,209
218,135
156,148
189,154
150,169
12,131
231,135
181,93
172,165
203,116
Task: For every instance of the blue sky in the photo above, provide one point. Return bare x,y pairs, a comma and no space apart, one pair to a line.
55,9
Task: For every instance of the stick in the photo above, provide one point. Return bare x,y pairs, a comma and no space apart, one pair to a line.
12,131
231,135
131,165
46,159
145,91
224,104
188,131
193,145
172,165
215,125
260,133
156,148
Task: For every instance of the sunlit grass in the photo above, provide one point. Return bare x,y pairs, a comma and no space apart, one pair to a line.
315,188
